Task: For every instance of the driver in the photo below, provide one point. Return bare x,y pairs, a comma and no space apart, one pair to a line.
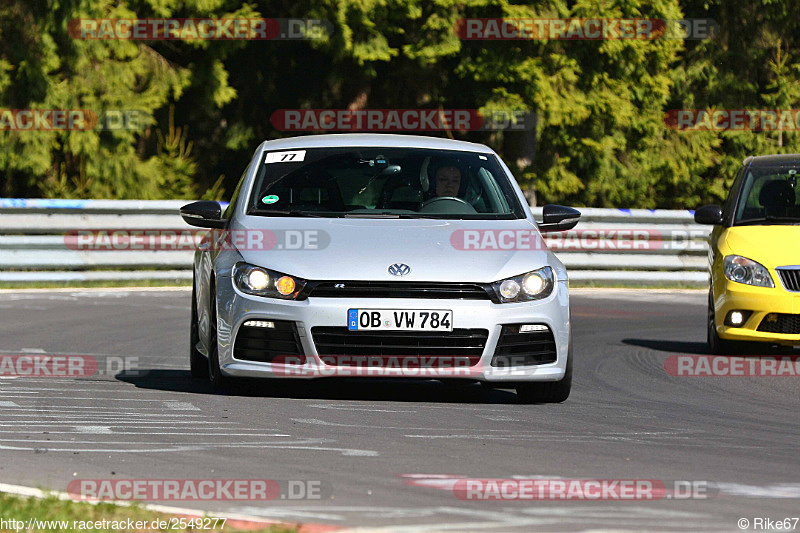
448,180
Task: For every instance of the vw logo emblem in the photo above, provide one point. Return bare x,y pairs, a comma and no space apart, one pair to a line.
399,269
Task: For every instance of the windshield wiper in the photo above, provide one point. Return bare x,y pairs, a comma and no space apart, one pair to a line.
288,213
371,215
406,216
751,221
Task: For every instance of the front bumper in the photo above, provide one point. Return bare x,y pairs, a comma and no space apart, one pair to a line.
762,301
236,307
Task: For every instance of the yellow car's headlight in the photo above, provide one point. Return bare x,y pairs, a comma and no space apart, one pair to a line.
743,270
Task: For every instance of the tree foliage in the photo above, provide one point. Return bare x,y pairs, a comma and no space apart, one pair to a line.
600,136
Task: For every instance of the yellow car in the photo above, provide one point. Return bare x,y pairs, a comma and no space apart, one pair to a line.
754,257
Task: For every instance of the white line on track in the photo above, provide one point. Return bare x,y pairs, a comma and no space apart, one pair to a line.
81,398
113,416
88,407
163,447
675,434
505,409
35,390
174,405
460,519
121,423
104,430
347,408
107,430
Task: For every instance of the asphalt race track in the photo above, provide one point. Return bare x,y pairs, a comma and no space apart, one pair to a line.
388,451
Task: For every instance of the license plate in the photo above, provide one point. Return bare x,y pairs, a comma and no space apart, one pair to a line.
400,319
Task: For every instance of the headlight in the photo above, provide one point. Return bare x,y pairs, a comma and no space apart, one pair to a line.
259,281
531,286
743,270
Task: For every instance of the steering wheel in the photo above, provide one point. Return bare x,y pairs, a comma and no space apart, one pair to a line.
435,199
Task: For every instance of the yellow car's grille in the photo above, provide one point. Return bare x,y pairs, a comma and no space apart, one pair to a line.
790,278
780,323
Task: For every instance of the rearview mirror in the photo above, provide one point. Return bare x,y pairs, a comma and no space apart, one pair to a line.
203,214
558,218
708,214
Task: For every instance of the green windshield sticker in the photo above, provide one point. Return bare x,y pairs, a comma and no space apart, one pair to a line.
271,199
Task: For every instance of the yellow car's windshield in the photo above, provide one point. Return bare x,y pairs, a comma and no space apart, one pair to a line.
770,195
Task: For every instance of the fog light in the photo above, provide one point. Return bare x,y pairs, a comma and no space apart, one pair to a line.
737,318
530,328
259,324
285,285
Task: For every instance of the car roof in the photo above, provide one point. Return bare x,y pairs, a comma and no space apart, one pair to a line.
773,160
382,140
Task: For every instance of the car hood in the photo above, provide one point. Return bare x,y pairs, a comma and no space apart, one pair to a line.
772,246
363,249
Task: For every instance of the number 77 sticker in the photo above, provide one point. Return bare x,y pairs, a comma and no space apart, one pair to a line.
285,157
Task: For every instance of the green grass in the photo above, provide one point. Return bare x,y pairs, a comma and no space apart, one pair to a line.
665,285
49,509
93,284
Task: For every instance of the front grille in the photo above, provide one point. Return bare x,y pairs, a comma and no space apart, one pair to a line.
790,278
397,289
780,323
520,349
334,341
265,344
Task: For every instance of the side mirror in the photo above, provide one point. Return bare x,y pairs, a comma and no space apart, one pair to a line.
558,218
203,214
708,214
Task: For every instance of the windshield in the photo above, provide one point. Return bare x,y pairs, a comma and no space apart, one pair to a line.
383,183
769,196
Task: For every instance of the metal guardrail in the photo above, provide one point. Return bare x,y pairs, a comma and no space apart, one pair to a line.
609,246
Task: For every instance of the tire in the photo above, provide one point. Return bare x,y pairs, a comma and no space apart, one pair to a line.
219,382
716,344
548,392
198,364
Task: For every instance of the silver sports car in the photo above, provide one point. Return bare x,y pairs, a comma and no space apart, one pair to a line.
384,256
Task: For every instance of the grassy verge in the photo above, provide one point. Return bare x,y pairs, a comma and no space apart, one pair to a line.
53,510
93,284
665,285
